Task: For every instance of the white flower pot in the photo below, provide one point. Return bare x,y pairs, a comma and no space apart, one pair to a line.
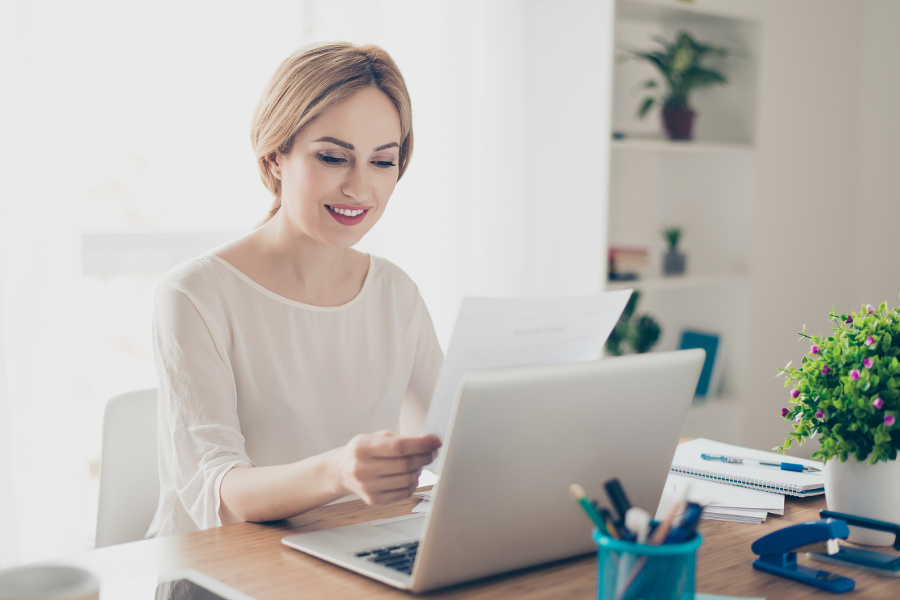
864,490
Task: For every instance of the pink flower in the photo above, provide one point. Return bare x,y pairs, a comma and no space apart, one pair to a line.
889,420
870,309
870,340
784,412
849,320
868,362
814,349
795,393
854,374
878,403
820,414
826,370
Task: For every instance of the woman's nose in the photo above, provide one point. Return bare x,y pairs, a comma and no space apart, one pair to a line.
357,184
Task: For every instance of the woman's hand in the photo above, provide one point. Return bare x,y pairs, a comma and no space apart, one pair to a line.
384,467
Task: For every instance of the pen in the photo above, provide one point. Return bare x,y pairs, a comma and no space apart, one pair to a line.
617,497
608,519
688,526
784,466
599,522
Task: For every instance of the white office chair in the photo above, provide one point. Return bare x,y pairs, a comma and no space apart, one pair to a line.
129,475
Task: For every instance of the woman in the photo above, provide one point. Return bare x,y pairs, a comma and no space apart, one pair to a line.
280,353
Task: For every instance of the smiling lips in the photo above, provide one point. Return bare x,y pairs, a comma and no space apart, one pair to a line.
347,214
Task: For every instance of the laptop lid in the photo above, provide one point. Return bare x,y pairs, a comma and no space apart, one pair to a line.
520,437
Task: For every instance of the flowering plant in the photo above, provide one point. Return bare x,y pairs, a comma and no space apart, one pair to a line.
847,388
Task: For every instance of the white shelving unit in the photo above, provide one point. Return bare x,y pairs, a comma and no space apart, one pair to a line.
706,186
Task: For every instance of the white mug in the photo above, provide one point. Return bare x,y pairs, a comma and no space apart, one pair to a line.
48,582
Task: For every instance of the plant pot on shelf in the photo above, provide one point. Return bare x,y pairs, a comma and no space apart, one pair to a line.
678,122
673,263
864,490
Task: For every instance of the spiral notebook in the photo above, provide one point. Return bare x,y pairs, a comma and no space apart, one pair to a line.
687,461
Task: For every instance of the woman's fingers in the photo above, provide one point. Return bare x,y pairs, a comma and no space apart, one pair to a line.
386,444
386,467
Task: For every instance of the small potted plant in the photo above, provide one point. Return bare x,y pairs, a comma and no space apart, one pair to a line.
846,392
680,64
673,260
632,333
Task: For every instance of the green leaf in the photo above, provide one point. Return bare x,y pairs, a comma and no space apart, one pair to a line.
645,107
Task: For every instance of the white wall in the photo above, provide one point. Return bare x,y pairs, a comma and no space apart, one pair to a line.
876,210
807,144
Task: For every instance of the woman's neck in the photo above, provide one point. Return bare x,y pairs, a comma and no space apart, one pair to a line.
297,266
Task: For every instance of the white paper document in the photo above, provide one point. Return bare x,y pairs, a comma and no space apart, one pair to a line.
721,501
494,333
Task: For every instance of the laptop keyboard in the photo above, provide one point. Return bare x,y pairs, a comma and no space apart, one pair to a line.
399,557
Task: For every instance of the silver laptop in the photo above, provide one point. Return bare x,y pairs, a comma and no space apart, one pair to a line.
518,439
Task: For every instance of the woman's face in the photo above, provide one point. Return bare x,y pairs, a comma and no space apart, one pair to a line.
342,169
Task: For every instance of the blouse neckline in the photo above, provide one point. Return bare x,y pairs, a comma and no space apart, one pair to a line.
295,303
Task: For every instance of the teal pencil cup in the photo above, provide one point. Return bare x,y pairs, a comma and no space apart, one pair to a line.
631,571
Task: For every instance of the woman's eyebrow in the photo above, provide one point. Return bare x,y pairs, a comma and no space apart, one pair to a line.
350,146
336,141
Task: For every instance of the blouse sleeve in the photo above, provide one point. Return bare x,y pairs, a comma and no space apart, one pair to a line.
427,366
200,435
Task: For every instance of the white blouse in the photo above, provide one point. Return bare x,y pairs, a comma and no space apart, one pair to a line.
248,377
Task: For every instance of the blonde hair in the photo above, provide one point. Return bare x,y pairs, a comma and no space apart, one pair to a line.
309,82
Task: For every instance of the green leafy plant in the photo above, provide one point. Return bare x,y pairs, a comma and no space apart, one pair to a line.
632,333
680,63
672,235
847,388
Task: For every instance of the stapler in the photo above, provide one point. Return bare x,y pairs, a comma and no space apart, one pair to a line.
778,553
864,559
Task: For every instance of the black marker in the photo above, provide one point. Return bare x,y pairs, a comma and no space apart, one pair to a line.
618,498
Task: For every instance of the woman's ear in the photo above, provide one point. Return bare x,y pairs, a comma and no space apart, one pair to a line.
272,161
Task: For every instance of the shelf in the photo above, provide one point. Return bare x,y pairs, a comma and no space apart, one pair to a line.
687,282
678,13
664,146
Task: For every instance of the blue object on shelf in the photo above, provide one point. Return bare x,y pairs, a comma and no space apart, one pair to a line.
710,344
778,553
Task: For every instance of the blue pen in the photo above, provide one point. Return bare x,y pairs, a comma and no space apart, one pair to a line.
784,466
688,526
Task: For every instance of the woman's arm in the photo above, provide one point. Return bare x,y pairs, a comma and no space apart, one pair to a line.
378,467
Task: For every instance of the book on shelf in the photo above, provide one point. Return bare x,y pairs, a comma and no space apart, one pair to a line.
626,263
709,383
688,461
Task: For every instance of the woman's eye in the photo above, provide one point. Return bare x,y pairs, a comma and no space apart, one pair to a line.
332,160
384,164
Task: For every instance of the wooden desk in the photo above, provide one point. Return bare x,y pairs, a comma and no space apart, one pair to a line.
251,558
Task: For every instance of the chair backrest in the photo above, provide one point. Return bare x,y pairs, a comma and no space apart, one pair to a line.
129,474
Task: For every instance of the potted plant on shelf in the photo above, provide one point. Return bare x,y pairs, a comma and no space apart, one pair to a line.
680,63
673,260
847,393
632,333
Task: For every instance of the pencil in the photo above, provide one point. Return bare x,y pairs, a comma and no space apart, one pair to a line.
662,530
578,493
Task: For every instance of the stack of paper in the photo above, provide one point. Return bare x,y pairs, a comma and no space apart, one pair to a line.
722,501
746,490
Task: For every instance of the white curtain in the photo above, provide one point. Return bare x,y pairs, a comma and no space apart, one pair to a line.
44,474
